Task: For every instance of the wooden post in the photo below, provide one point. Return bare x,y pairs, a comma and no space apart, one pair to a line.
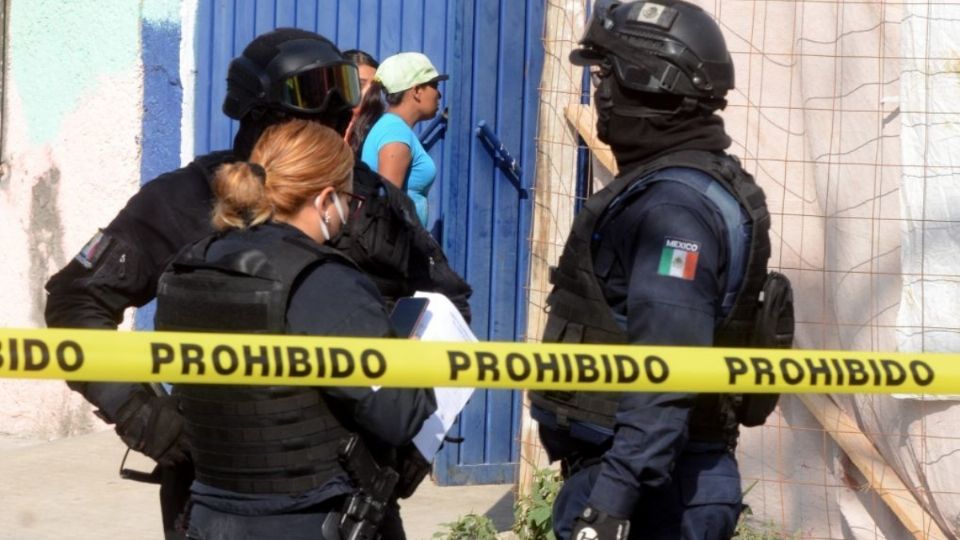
584,120
554,190
882,478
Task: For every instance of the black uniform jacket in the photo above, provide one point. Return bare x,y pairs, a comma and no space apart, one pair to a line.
660,262
121,264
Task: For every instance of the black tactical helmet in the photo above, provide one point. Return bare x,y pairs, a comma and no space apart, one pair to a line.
294,71
659,46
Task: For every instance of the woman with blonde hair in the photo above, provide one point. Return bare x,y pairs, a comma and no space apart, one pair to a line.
266,457
294,176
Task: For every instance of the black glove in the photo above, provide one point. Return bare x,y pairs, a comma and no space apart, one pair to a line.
594,525
153,426
412,468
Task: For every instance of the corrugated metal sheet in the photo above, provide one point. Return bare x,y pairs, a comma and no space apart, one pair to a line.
493,53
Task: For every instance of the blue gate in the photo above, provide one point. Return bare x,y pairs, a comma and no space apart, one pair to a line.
479,206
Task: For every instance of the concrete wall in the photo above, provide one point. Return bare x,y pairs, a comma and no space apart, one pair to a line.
92,105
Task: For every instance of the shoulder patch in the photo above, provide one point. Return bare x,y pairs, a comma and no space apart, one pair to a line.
679,258
93,249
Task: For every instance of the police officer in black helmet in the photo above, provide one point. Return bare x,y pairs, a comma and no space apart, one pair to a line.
672,252
119,267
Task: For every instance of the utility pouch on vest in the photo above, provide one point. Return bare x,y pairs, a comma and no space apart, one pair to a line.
775,321
380,237
560,330
384,237
773,330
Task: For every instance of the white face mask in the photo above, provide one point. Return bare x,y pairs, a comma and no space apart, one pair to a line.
340,213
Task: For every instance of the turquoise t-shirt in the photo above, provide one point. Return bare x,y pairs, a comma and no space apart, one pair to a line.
390,128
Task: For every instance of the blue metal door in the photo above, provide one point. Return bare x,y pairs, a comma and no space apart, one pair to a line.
478,206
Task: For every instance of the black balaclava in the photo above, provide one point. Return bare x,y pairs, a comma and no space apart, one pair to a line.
251,127
637,134
254,124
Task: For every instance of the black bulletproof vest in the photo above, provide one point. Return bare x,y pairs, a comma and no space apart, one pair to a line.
386,241
578,311
249,439
378,237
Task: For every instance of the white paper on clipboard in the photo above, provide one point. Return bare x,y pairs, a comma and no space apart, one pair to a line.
441,322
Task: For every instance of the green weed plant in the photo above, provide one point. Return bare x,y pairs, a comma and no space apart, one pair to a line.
469,527
533,513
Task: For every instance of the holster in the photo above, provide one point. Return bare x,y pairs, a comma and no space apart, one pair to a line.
413,468
353,522
330,530
363,510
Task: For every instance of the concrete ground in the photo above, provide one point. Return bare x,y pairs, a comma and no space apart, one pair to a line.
69,488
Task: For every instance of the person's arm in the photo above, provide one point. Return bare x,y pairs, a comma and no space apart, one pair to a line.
391,415
669,302
354,308
92,291
118,269
393,162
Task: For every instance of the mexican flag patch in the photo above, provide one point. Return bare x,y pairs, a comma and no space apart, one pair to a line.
679,259
92,251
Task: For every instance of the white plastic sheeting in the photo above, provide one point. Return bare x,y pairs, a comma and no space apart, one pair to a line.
929,314
929,317
848,114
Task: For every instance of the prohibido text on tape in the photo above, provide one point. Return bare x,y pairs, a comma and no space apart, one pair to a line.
182,357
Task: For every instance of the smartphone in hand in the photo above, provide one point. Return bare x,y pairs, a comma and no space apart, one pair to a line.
407,314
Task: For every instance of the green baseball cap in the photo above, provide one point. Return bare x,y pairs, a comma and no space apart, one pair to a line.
406,70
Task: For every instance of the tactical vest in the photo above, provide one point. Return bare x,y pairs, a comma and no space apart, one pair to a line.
378,237
249,439
386,240
578,310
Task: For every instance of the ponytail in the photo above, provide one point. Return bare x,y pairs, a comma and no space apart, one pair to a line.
372,108
239,190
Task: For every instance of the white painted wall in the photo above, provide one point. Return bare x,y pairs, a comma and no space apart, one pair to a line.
72,117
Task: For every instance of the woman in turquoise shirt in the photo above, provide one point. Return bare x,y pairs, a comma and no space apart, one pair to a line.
411,86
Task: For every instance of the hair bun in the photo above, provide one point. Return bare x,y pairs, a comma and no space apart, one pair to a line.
258,171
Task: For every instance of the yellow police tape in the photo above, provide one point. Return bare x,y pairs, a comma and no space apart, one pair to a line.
178,357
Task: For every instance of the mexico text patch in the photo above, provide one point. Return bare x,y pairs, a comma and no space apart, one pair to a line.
679,259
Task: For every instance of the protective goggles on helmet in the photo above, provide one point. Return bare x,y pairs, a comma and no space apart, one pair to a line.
311,90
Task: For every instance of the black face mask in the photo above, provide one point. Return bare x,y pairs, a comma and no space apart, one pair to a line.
254,124
618,110
603,99
637,133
